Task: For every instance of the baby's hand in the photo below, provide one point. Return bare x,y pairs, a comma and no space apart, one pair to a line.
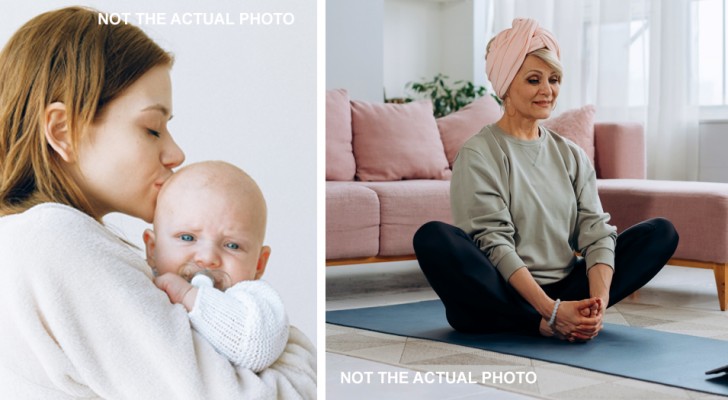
178,290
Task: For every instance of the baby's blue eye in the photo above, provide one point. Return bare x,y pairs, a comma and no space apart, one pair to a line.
186,237
232,246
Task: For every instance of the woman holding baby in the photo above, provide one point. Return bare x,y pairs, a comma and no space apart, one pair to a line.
531,249
84,110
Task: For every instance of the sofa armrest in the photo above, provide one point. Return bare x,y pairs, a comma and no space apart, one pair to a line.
619,151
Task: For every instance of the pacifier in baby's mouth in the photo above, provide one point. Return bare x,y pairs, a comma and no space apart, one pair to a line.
198,276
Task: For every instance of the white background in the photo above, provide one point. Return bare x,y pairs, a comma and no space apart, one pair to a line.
246,95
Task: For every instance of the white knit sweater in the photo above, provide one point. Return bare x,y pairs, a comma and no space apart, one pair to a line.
81,318
247,323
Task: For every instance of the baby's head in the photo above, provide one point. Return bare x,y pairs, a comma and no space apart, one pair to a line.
210,215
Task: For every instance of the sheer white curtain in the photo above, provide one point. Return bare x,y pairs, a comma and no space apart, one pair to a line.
635,60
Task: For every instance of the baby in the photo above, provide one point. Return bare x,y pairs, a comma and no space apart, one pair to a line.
211,219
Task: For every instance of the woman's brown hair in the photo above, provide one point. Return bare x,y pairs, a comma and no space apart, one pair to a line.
64,56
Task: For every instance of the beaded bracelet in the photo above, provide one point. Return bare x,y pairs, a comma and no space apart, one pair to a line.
553,313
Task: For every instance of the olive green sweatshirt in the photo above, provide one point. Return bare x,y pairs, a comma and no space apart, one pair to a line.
530,203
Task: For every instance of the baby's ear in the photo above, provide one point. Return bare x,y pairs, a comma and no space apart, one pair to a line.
262,261
149,238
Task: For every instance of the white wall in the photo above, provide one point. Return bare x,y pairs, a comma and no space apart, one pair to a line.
713,163
412,43
379,46
463,40
354,48
246,95
424,38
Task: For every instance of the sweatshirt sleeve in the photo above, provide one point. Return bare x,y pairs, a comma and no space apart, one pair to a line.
595,238
479,199
85,312
247,323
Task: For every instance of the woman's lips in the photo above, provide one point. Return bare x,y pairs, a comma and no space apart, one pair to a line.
159,182
543,104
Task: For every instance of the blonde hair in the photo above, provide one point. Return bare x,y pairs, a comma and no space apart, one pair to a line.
63,56
549,57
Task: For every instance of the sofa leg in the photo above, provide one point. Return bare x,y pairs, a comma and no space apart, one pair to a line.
721,272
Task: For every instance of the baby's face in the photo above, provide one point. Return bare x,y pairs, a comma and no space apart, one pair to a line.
207,229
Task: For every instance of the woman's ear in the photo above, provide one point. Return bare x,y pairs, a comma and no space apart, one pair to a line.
262,261
56,130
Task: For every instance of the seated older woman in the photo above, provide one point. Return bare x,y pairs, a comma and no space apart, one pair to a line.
524,202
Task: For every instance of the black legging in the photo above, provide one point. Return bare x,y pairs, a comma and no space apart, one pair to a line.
478,299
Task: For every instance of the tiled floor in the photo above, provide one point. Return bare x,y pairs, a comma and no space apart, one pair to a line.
680,300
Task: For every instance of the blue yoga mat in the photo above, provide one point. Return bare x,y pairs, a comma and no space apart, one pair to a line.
637,353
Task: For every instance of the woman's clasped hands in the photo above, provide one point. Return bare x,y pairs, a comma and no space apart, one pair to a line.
577,320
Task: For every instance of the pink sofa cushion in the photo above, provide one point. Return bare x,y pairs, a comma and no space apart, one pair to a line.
340,164
397,141
405,206
352,221
699,211
456,128
576,125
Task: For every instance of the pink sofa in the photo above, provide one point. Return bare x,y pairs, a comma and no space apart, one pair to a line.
373,208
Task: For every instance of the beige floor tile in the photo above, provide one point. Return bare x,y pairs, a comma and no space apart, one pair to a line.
417,351
391,354
671,313
380,335
614,391
654,387
552,381
355,341
615,318
506,358
336,329
627,307
441,345
720,321
642,321
704,396
722,336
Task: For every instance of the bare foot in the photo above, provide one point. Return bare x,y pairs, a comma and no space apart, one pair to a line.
545,330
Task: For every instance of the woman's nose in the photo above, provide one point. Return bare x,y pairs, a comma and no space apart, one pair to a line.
172,155
546,88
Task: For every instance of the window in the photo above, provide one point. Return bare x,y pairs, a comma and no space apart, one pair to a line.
708,33
711,18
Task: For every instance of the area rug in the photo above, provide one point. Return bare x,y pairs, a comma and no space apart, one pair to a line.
637,353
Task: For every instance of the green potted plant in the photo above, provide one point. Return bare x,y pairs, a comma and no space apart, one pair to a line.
447,99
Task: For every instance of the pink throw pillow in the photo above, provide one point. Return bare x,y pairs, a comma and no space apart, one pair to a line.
576,125
397,141
456,128
340,164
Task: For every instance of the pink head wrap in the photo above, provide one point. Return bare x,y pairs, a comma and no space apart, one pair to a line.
509,49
